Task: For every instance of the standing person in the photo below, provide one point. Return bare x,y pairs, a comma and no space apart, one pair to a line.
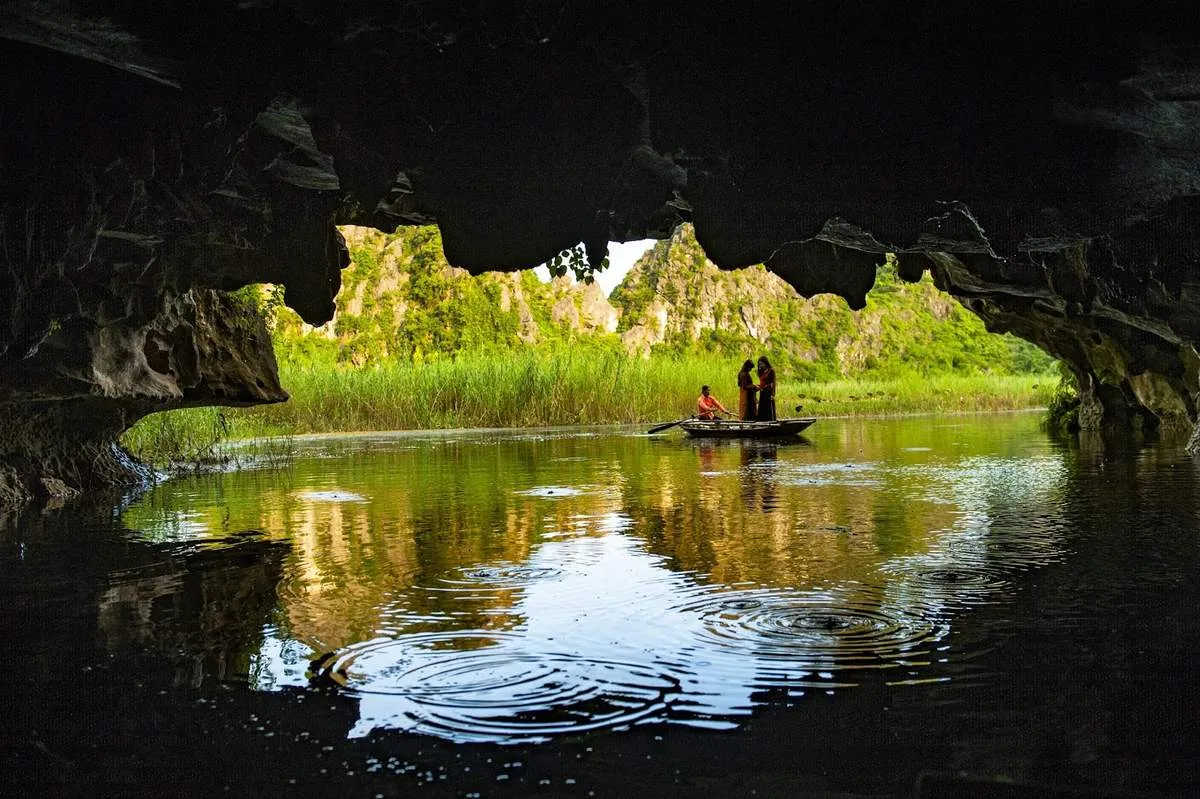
708,405
747,401
766,391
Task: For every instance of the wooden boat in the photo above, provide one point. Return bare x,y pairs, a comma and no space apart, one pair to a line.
721,428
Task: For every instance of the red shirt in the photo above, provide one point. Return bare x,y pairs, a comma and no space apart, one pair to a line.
705,406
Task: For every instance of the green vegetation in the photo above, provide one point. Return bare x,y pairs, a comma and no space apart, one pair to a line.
582,387
536,388
196,439
916,394
400,301
905,329
173,438
1062,411
419,344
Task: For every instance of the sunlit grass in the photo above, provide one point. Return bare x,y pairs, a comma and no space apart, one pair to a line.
536,389
196,439
521,390
918,394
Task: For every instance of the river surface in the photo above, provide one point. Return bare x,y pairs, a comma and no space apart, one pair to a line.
938,604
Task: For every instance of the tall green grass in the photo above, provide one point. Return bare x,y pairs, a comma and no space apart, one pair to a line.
918,394
197,440
493,390
534,389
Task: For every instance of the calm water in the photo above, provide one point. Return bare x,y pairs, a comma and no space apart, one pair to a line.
958,596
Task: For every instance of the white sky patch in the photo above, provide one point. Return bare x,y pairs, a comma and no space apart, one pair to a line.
621,257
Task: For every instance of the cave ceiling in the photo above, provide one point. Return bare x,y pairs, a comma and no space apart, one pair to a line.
1042,160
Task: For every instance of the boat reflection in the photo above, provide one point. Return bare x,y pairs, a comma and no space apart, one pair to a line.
489,589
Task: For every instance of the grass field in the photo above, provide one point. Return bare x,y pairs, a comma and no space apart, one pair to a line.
536,389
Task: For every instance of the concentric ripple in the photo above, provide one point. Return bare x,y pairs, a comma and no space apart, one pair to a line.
498,576
948,585
961,577
813,631
477,687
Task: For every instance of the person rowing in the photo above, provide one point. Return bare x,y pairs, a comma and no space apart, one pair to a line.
708,406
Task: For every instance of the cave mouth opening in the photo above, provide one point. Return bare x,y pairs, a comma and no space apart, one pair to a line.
1049,185
418,343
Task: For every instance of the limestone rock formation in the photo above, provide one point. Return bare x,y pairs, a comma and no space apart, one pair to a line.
582,307
399,297
66,403
596,311
1043,161
674,292
675,298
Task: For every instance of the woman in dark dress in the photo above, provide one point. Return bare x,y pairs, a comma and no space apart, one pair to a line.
766,391
747,405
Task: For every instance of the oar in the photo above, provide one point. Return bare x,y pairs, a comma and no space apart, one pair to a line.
668,425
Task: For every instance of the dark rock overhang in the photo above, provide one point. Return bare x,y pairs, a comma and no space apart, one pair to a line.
1043,161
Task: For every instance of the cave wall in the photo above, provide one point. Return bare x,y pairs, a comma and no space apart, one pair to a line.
1041,160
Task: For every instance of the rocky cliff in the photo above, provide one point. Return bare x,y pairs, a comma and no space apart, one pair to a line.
401,299
675,298
1041,161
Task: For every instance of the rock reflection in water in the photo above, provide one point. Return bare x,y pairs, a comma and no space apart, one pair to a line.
200,610
955,587
89,595
509,591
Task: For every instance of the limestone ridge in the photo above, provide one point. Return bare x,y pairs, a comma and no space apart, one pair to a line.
401,299
674,294
675,297
1042,161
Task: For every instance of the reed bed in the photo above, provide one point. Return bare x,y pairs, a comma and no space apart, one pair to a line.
197,440
518,390
913,394
535,389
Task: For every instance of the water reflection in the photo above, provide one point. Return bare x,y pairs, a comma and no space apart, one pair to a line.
199,609
997,603
512,588
608,636
81,594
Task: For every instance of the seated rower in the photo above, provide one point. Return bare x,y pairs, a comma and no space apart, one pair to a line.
708,406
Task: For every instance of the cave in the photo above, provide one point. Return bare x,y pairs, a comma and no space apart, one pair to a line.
1043,163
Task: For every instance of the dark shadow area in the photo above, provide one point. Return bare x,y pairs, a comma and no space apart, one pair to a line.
128,665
